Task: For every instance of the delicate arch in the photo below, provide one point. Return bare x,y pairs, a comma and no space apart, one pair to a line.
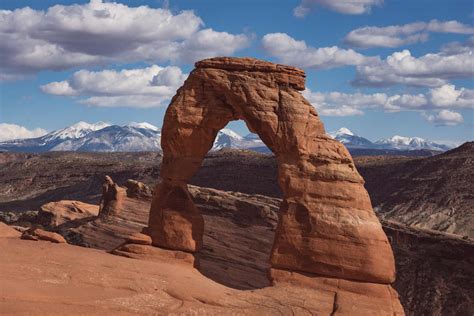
326,222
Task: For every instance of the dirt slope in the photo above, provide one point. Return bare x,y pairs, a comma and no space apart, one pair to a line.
435,193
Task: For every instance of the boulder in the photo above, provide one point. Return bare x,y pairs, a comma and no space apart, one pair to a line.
40,234
137,189
139,239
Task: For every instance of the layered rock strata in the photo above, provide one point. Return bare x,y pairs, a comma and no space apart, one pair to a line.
326,223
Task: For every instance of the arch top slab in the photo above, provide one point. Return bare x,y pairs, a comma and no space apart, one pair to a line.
326,223
284,74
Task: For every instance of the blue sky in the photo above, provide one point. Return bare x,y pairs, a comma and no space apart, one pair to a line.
409,72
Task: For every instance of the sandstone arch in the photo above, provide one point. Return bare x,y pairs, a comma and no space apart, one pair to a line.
327,226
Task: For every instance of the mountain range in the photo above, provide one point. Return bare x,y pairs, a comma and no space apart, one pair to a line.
352,141
104,137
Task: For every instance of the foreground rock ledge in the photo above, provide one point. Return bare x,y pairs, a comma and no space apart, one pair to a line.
326,226
43,278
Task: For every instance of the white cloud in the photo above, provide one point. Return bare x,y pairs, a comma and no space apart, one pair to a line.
102,32
445,118
143,87
340,6
348,104
398,35
59,88
448,96
294,52
136,101
344,104
13,131
208,42
397,102
430,70
343,110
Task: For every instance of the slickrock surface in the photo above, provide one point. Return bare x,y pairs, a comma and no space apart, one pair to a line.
41,278
326,223
8,232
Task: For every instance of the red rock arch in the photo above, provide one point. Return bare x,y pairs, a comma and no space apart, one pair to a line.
326,226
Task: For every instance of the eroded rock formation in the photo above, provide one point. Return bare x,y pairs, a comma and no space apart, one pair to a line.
136,189
54,214
112,198
326,223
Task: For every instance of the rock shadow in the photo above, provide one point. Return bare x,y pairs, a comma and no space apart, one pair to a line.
234,256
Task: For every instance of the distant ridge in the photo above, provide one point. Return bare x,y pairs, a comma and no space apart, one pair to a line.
143,136
353,141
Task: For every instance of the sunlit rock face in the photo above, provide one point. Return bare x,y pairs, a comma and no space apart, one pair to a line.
326,223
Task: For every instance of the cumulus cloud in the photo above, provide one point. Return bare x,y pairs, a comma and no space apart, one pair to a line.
349,104
455,61
398,35
208,42
444,118
13,131
449,96
143,87
430,70
340,6
294,52
66,36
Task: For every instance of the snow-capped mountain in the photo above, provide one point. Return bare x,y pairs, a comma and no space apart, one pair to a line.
100,136
143,125
350,140
144,136
131,137
49,141
410,143
75,131
227,138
